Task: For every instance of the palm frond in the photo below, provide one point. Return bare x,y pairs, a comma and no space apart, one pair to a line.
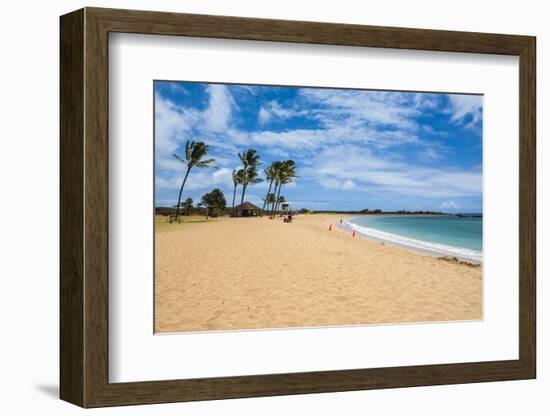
189,145
180,159
205,163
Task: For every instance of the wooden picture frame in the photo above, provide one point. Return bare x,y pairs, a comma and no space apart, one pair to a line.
84,207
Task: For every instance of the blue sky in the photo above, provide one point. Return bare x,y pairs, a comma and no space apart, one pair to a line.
354,149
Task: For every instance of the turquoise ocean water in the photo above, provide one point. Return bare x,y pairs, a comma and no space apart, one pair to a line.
446,235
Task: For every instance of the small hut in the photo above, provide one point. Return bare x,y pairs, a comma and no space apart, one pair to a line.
246,209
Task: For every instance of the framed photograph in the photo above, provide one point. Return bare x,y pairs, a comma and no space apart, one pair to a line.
257,207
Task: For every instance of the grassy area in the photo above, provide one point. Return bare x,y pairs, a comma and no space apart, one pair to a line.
162,222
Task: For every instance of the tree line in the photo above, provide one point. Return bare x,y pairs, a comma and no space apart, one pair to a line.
277,174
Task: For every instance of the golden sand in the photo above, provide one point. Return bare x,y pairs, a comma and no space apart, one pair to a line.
244,273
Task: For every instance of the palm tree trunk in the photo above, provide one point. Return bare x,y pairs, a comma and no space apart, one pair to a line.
277,199
265,200
274,200
242,195
181,190
233,205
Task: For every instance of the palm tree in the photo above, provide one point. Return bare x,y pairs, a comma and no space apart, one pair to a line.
270,174
281,200
285,174
250,177
250,160
289,173
284,179
278,175
194,153
238,178
269,199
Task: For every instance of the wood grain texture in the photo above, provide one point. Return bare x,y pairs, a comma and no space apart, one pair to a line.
71,208
84,207
162,23
527,208
96,208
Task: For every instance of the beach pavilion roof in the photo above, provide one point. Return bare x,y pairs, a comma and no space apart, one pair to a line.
247,206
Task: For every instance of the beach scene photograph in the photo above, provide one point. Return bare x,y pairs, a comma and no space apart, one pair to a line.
281,207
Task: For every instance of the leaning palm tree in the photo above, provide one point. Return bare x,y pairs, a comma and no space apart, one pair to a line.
270,174
194,154
269,198
278,174
238,178
289,173
280,200
250,177
285,174
284,180
250,160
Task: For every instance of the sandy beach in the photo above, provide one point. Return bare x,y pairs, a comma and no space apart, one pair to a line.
252,273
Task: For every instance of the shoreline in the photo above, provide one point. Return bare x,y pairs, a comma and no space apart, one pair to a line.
432,252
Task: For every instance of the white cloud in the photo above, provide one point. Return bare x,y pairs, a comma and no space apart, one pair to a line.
174,125
198,179
429,129
348,185
342,117
430,153
307,140
368,108
466,109
264,115
273,110
331,183
449,205
217,116
333,167
172,122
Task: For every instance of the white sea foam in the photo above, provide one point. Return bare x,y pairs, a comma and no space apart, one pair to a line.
424,246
